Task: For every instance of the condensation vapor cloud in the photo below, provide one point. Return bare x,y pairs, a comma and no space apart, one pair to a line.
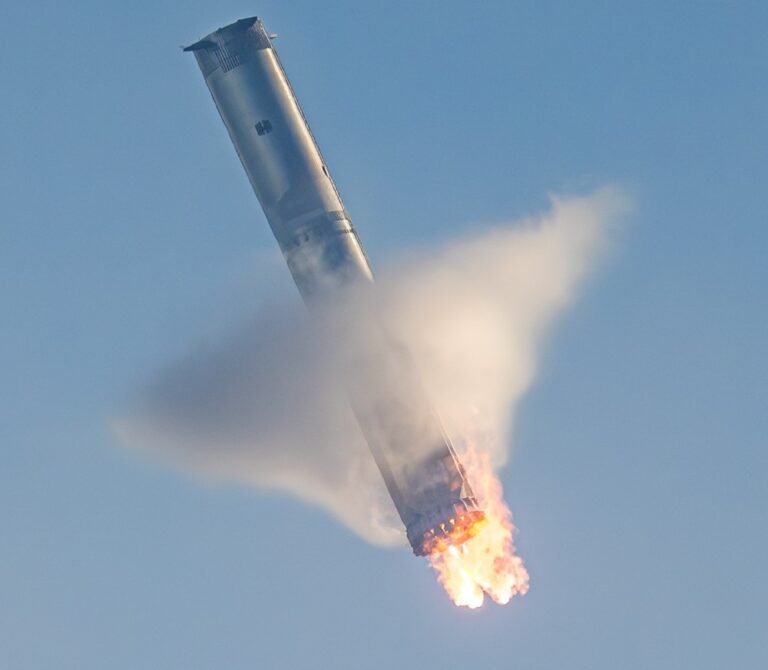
267,406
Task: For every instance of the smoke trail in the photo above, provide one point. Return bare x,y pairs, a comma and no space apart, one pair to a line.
267,406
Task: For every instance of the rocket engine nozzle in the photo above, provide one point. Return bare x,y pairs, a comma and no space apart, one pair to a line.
434,533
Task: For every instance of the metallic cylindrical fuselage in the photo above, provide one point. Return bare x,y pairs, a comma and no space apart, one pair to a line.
312,227
279,154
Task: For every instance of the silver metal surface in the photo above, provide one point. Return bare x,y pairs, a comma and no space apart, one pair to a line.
323,252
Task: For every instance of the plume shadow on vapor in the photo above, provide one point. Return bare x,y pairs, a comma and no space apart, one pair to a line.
267,406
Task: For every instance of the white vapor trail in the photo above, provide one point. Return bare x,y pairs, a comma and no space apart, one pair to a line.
267,406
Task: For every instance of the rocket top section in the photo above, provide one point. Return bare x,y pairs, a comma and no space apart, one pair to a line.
228,47
280,156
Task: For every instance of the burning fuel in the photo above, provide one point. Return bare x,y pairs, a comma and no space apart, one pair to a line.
482,560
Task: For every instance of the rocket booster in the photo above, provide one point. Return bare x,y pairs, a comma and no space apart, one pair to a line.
419,466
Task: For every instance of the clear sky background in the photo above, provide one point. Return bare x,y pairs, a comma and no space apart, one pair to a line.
128,233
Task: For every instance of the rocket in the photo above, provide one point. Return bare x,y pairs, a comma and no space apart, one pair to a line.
259,108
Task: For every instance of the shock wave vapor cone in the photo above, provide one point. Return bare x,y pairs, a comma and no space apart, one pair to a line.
423,475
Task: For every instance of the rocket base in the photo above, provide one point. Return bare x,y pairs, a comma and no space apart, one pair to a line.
434,533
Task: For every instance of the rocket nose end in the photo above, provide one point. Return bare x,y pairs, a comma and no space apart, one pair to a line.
229,36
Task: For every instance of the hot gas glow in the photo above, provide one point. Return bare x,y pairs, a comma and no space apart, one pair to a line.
486,562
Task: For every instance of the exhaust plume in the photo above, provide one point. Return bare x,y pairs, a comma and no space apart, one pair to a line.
267,407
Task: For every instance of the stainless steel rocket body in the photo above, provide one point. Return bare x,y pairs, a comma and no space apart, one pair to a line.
314,232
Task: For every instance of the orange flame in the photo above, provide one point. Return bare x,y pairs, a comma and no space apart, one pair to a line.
486,562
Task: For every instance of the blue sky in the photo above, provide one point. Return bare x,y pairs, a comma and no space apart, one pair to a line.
129,233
